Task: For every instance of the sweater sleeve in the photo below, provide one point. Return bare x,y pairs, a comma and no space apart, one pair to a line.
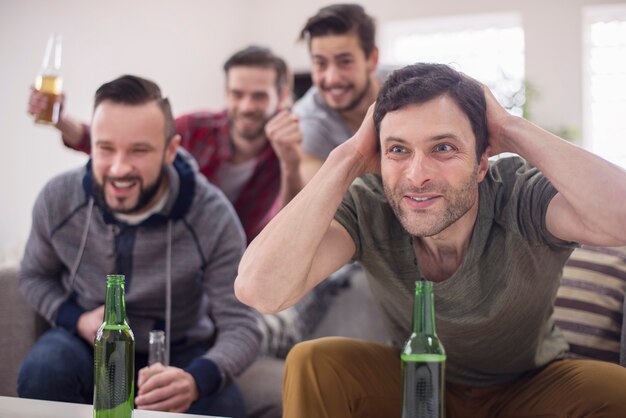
85,142
41,270
237,334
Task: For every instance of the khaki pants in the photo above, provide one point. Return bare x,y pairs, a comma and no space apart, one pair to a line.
338,377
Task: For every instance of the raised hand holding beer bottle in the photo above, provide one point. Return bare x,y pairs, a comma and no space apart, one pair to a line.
46,106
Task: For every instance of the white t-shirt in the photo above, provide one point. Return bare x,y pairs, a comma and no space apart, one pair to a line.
233,177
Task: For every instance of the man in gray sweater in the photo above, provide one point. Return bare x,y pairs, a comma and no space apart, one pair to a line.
139,208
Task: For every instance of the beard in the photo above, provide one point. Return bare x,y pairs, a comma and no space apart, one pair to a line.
146,193
429,222
358,99
249,134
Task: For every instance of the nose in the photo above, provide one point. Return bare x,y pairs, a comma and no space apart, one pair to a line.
246,104
420,171
120,166
332,76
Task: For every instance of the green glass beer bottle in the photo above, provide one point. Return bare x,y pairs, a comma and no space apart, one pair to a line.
114,357
423,360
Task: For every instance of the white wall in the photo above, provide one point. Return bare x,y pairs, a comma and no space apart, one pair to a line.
179,44
182,45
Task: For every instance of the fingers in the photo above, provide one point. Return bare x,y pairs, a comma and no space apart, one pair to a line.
368,127
89,323
37,102
147,372
167,390
153,377
178,403
285,125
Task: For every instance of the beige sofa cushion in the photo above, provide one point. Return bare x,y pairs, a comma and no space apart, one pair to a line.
20,327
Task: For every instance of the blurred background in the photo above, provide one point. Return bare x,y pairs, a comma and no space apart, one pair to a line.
560,63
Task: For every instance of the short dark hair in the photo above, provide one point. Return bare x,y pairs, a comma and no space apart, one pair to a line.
133,90
342,19
419,83
259,56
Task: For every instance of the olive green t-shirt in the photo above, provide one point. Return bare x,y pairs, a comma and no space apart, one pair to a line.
493,315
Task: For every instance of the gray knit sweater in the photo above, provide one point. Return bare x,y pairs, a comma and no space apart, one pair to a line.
197,232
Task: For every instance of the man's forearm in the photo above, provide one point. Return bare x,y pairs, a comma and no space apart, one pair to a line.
72,131
593,187
290,183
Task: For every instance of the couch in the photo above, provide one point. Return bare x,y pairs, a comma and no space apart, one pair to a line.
589,309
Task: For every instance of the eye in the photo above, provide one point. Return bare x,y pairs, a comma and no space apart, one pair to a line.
259,97
105,148
444,148
319,64
345,62
397,149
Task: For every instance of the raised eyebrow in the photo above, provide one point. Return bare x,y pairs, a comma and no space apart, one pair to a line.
445,136
146,145
102,142
394,139
343,55
139,144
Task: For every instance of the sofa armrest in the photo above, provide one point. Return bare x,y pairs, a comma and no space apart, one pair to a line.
20,325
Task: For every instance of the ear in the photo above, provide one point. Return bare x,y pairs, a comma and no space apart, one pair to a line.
372,61
172,147
483,164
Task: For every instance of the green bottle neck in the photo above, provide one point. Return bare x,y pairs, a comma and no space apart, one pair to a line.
114,306
424,309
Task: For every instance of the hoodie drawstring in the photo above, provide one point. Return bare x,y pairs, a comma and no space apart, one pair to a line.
168,291
83,244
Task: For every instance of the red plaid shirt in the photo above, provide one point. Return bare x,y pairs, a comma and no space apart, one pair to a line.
206,136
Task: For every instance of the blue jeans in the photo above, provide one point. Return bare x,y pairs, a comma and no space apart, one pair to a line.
59,367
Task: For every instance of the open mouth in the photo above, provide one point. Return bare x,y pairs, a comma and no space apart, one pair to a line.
122,186
421,202
337,93
421,199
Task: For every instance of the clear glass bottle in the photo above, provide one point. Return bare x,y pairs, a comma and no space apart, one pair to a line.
156,353
114,357
50,82
423,360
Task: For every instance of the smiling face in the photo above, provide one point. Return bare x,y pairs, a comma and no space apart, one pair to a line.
341,71
428,166
129,153
252,99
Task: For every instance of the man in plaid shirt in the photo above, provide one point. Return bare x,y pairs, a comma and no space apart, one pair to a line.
251,150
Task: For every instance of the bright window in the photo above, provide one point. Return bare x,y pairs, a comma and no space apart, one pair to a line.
604,95
489,48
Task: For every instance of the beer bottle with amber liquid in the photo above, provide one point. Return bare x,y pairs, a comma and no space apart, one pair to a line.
50,83
423,360
114,357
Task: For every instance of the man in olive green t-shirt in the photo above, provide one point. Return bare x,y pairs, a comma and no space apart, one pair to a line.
493,236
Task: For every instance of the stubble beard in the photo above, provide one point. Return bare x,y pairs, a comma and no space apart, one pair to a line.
358,99
460,201
249,135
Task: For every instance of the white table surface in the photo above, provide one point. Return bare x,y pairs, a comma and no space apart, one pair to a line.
31,408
